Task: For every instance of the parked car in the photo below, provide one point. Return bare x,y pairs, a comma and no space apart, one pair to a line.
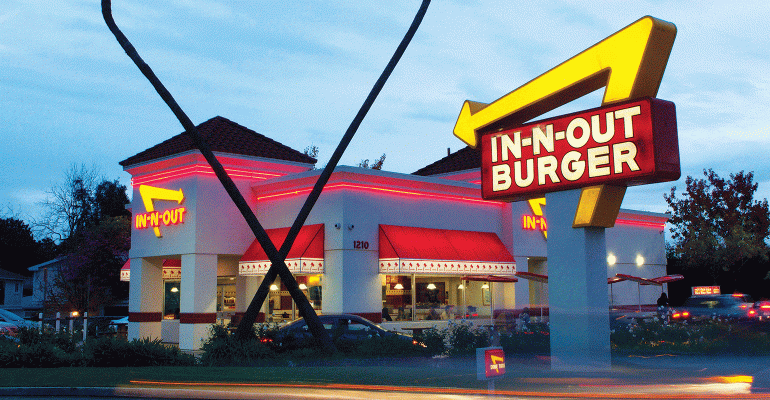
760,310
341,327
13,319
726,306
8,330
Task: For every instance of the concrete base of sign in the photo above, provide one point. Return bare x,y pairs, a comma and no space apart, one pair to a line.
577,285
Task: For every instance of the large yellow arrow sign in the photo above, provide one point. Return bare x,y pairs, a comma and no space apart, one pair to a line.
630,63
150,193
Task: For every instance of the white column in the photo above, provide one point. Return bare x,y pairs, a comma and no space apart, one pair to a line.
198,300
245,289
145,299
352,283
577,287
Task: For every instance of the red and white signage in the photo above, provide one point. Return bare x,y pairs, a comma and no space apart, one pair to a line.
705,290
624,144
490,363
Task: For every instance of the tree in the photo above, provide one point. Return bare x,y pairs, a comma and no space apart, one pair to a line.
18,248
377,164
311,151
87,215
110,200
90,277
719,228
80,202
70,205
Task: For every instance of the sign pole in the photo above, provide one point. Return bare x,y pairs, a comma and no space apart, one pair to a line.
577,287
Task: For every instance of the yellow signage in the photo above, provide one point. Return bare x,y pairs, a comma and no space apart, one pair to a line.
536,205
153,218
629,63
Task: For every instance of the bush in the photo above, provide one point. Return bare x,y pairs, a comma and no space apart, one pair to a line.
113,352
465,338
223,348
32,348
532,338
708,337
433,339
36,355
64,340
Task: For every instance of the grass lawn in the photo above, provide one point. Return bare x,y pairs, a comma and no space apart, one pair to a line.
408,372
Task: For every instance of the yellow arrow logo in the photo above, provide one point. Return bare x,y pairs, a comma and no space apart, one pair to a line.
498,364
630,63
536,205
150,193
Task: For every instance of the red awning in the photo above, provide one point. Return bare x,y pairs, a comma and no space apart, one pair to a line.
406,249
614,279
306,254
489,278
641,281
668,278
172,269
533,276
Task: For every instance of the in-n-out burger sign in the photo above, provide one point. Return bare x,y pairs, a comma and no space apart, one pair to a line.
154,218
624,144
157,218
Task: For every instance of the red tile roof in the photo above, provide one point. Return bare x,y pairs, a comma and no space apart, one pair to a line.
465,158
224,136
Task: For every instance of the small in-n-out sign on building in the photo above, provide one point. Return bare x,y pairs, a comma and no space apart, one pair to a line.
624,144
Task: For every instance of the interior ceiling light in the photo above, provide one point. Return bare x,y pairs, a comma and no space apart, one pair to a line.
398,286
431,286
274,287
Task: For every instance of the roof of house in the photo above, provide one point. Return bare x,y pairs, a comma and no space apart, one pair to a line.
10,276
225,136
463,159
49,263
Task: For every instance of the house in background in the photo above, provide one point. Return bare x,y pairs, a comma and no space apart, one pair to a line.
42,278
11,291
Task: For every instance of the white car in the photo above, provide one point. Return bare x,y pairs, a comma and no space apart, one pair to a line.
13,319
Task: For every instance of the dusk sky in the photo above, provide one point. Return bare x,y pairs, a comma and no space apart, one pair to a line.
298,72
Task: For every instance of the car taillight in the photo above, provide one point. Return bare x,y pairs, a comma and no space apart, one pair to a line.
765,307
680,314
752,312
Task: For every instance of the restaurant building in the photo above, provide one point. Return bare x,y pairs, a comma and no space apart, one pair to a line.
420,248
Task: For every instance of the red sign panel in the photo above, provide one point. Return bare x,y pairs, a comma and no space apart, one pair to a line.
702,290
631,143
494,362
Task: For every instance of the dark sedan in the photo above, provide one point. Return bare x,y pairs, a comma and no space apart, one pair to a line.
724,306
341,327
